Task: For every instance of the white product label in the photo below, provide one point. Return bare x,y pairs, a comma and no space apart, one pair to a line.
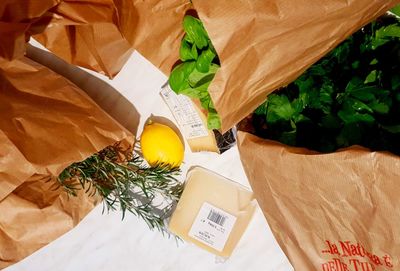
185,113
212,226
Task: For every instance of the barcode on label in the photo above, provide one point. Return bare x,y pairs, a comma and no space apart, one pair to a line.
216,217
212,226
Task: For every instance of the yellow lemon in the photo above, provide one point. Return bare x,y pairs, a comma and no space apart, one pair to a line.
161,145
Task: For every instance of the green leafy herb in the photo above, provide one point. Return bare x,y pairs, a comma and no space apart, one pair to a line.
127,184
187,52
396,10
178,78
213,120
351,96
195,31
198,78
200,64
203,63
385,34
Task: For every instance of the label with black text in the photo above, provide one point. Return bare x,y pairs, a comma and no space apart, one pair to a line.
185,113
212,226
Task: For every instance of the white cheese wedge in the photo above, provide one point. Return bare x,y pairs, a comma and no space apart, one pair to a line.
204,143
191,120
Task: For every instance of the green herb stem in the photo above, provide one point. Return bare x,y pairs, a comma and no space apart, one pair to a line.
127,184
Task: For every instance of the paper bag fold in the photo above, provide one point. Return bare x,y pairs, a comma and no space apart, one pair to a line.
321,207
46,124
262,45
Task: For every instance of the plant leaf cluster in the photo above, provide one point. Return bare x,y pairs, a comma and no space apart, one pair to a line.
127,184
349,97
199,64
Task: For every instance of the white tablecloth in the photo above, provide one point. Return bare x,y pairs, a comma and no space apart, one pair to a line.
104,242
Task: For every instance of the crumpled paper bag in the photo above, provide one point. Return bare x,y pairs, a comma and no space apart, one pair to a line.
329,212
95,34
262,45
87,33
46,124
17,18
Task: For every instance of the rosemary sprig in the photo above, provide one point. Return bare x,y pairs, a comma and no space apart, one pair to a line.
124,181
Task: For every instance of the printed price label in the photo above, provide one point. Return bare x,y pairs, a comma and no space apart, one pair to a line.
185,113
212,226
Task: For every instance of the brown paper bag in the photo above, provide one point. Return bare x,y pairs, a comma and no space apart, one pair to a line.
328,212
262,45
104,42
274,40
16,20
87,33
46,124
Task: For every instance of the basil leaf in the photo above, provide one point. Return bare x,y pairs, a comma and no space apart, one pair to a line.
204,87
394,129
205,102
178,79
204,60
318,70
201,90
392,31
193,93
197,78
355,64
363,95
371,77
194,52
188,39
185,51
342,52
279,108
352,117
325,97
379,107
358,105
373,61
305,84
213,121
211,104
384,34
354,83
195,31
396,10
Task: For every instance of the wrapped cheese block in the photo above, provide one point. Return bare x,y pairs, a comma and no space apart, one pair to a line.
213,212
